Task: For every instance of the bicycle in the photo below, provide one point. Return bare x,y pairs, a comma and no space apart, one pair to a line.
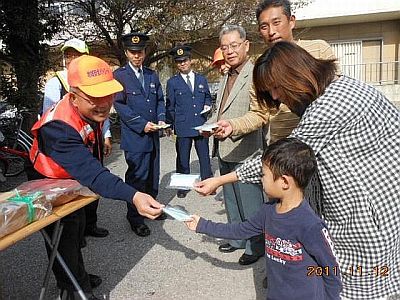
14,142
12,162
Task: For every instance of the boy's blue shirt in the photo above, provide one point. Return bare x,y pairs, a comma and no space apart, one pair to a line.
296,243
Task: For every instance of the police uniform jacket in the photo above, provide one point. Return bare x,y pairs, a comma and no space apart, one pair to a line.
137,106
184,107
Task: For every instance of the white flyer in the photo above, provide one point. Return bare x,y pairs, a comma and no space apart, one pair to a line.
207,127
206,109
162,126
183,181
177,213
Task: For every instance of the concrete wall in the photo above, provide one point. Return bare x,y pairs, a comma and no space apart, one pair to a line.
373,35
387,31
392,92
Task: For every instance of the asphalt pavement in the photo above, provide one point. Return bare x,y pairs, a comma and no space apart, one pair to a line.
171,263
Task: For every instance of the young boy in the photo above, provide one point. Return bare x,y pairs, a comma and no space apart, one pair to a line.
300,260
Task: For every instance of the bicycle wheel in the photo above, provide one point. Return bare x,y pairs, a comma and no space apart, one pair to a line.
24,141
3,169
16,164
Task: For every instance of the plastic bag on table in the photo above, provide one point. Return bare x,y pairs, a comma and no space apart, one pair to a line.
57,191
20,210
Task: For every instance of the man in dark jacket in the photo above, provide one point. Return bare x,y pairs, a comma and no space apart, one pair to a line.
67,144
141,109
188,101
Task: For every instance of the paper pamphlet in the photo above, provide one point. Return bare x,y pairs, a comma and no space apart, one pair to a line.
177,213
163,126
207,109
183,181
207,127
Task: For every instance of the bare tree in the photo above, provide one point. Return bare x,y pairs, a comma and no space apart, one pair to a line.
167,21
24,24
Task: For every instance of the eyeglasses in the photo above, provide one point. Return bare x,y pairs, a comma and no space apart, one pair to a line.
86,99
234,46
99,100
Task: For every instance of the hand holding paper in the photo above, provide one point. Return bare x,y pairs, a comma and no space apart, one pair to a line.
193,222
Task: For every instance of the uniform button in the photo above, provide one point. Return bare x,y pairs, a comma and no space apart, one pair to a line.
150,110
148,100
194,105
195,114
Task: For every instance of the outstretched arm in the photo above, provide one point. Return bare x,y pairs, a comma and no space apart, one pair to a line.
210,185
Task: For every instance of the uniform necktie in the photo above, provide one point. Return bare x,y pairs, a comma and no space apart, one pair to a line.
140,77
189,83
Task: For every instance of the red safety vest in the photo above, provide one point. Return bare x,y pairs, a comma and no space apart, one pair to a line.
63,111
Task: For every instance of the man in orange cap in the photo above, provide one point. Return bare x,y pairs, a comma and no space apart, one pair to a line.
67,144
54,91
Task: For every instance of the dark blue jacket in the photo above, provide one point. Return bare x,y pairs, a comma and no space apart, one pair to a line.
137,106
184,107
65,146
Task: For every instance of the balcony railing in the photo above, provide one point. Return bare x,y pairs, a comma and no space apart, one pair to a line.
379,73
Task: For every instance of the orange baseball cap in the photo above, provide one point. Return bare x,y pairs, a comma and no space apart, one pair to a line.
93,76
218,57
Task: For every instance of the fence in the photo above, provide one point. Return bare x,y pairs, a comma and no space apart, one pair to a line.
379,73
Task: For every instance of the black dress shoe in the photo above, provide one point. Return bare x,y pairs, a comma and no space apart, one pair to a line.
226,248
247,259
182,194
140,229
96,232
94,280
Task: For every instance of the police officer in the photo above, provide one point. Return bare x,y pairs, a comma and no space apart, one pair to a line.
188,99
141,109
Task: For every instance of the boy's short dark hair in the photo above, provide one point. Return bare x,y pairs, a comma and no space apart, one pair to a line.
291,157
265,4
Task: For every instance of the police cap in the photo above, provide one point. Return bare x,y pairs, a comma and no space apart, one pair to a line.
135,41
181,52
